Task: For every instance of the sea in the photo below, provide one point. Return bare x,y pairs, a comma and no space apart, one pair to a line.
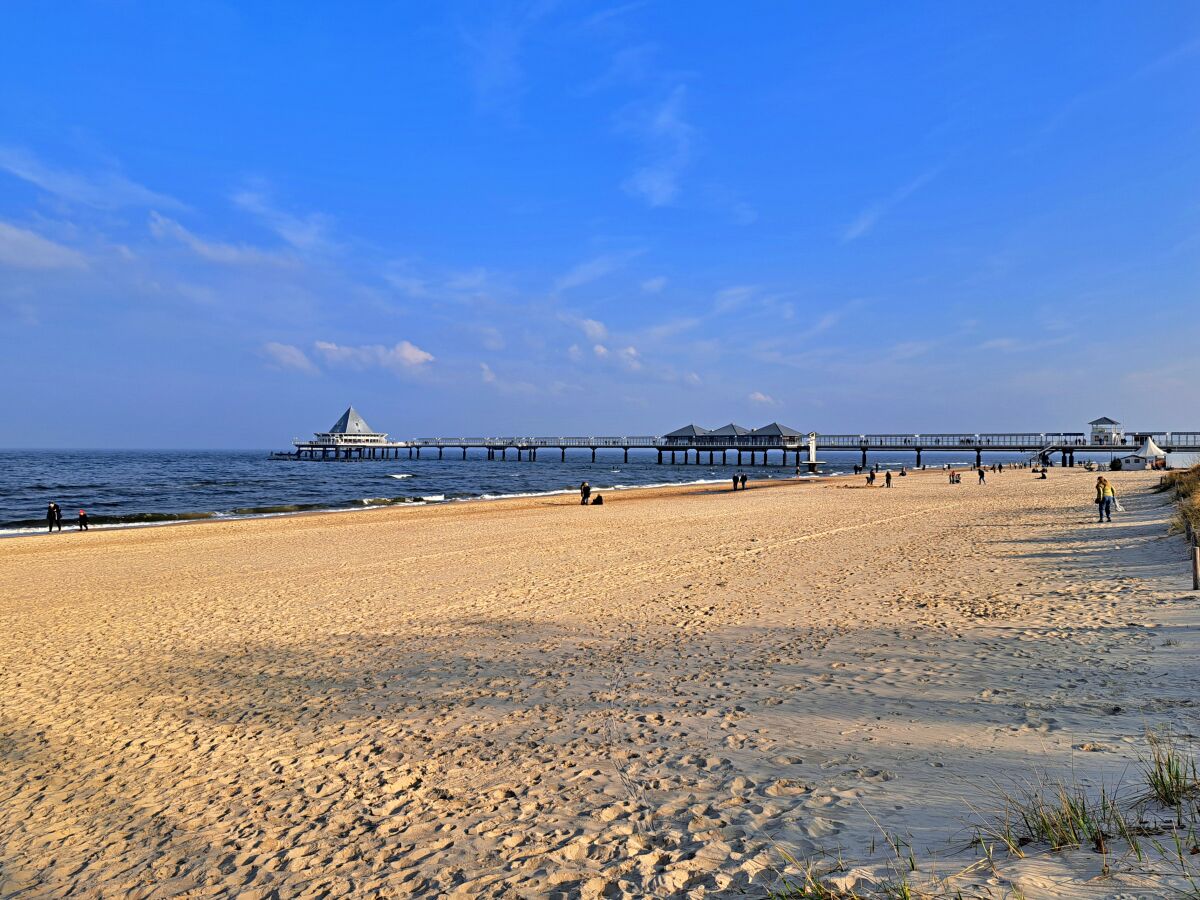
127,488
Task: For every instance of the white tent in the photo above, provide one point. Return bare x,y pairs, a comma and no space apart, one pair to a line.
1145,457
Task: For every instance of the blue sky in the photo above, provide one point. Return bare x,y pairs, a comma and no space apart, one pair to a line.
221,223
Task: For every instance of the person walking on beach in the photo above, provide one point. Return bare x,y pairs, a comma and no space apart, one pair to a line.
50,517
1106,496
982,475
887,478
585,491
742,479
83,526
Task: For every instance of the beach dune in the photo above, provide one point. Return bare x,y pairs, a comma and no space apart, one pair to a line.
529,698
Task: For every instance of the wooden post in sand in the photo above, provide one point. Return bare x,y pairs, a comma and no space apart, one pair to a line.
1196,567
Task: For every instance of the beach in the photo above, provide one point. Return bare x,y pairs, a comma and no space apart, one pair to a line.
664,696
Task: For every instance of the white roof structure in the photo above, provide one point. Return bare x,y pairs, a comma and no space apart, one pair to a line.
1150,450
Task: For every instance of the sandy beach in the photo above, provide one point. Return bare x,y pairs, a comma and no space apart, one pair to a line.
657,697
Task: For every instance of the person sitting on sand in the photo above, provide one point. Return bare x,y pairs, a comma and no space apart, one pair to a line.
585,491
1106,496
1043,475
598,500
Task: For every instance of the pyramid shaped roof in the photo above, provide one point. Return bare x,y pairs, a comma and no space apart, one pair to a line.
1150,450
688,431
730,430
351,423
777,430
1104,420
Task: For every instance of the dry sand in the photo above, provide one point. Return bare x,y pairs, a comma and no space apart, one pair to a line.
529,698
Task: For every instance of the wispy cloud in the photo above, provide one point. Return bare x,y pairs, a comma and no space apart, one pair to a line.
215,251
21,249
761,399
485,371
287,356
668,138
654,285
103,190
1021,345
866,221
494,51
308,232
403,357
589,271
731,298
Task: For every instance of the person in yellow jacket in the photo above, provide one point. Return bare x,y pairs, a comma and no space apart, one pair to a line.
1106,496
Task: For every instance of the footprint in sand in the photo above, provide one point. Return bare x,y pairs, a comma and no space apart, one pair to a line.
786,787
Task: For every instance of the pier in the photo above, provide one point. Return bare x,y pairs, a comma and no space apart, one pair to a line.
351,438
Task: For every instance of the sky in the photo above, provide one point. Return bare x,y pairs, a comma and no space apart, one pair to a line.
222,223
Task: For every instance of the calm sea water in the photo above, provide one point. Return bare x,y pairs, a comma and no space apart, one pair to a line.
126,488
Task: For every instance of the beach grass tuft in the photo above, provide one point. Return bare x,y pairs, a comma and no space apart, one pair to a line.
1170,773
1184,486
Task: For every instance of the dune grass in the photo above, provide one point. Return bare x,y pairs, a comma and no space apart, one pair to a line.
1184,486
1150,826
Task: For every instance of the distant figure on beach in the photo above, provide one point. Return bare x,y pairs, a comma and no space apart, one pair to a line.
1106,496
585,491
1043,475
871,477
887,479
735,480
50,517
982,475
742,479
598,500
83,526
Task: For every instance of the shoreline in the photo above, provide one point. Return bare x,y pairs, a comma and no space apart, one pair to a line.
207,518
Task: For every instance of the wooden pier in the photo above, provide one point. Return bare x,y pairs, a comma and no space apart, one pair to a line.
351,439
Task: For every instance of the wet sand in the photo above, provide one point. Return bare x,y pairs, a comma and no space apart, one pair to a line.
528,698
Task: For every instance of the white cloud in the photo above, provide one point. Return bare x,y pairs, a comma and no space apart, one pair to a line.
286,356
869,217
731,298
595,331
574,353
600,350
108,190
214,251
404,356
489,377
302,232
761,398
668,138
587,272
654,285
21,249
630,358
1016,345
416,288
692,378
